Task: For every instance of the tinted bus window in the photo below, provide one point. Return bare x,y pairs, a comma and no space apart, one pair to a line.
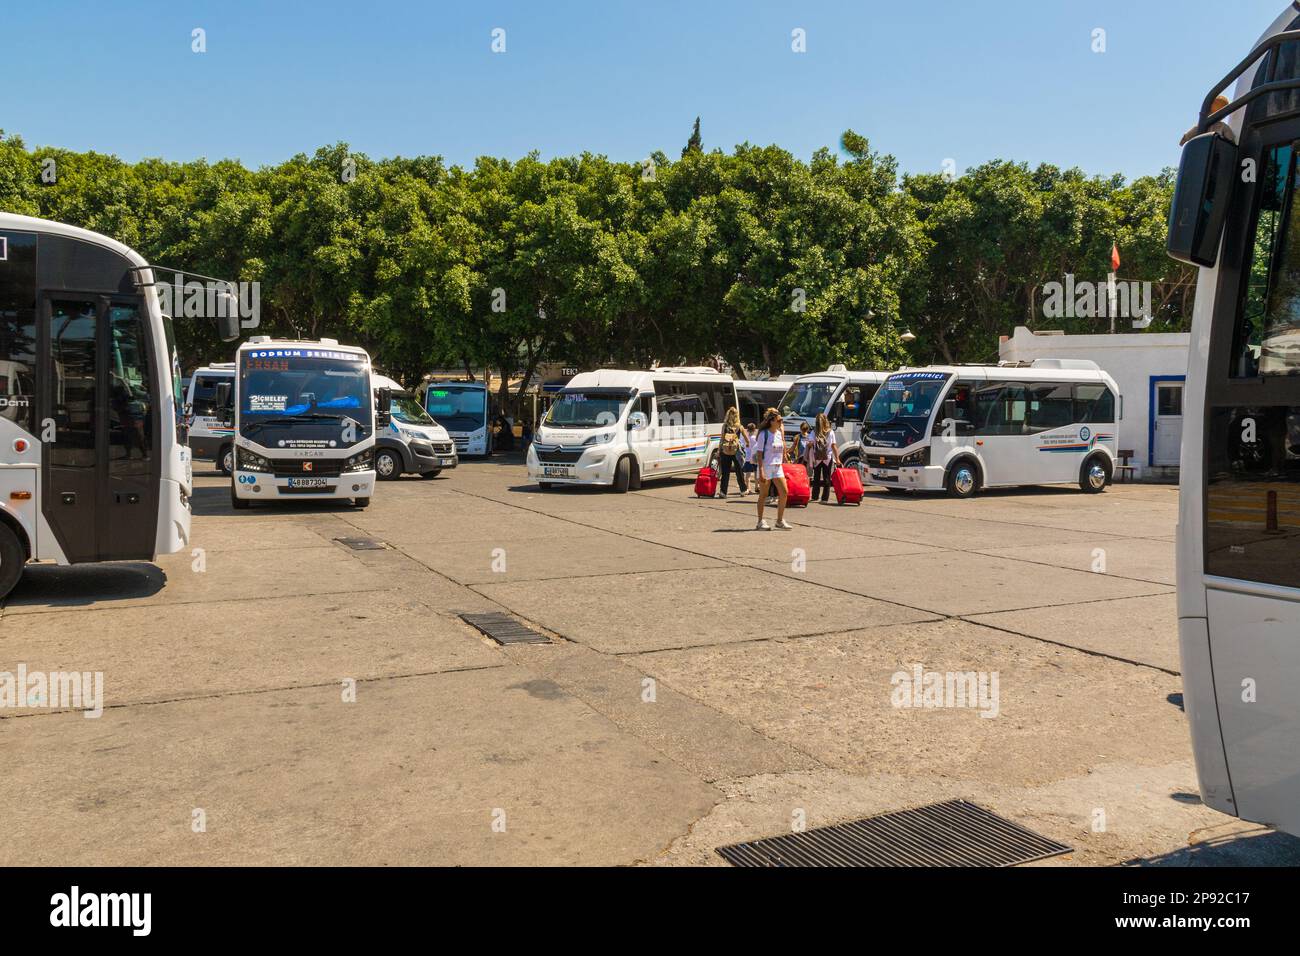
205,396
18,331
1093,403
1050,406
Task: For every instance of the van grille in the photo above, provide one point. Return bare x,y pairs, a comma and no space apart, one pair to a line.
293,467
558,456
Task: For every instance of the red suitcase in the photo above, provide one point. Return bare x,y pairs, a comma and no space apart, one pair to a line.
848,486
798,490
706,483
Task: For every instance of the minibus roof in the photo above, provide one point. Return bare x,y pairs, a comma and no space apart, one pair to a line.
626,378
1040,370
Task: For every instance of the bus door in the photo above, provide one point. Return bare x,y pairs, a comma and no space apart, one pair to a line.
1002,410
98,419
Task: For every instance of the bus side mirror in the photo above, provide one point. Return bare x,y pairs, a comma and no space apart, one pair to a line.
837,413
224,403
637,421
1206,176
228,323
383,401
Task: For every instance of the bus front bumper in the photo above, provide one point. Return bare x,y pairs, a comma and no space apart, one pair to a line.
913,478
595,466
261,486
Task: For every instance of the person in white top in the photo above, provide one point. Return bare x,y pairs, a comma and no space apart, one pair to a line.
823,450
768,453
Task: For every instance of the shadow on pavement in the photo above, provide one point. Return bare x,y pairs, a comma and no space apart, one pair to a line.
86,584
1261,847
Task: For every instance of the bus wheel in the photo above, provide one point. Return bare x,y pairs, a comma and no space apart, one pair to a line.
386,465
544,485
1095,475
226,461
852,460
963,479
238,503
623,476
12,559
360,503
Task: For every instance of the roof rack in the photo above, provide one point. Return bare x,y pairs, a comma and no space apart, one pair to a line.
1267,45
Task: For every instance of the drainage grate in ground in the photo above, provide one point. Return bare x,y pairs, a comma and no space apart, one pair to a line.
504,629
955,833
362,544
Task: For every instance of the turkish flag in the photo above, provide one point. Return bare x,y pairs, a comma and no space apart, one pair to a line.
1114,257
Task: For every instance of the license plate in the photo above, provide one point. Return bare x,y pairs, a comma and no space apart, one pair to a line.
308,483
885,475
447,462
558,472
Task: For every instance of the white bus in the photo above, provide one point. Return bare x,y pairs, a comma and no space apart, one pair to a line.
1239,511
211,434
93,465
966,427
620,428
462,409
842,396
755,397
305,422
413,443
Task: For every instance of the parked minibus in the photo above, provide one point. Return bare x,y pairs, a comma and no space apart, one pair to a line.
413,443
305,422
1238,539
755,397
966,427
93,461
462,409
620,428
842,396
211,432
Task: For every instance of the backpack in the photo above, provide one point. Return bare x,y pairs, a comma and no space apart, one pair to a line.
730,442
820,448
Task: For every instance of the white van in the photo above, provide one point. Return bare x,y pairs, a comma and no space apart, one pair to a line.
842,396
211,428
966,427
413,443
756,397
619,428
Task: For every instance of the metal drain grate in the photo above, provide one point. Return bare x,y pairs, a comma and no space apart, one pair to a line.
362,544
504,629
955,833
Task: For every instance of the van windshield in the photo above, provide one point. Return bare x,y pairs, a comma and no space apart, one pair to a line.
584,408
807,399
900,412
408,411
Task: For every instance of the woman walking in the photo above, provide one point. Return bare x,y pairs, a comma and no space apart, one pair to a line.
768,454
823,449
730,449
750,469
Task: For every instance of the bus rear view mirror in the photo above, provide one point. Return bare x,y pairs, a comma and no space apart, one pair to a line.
228,323
383,402
1206,175
637,421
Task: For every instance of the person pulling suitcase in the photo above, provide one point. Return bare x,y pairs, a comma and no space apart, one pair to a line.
823,451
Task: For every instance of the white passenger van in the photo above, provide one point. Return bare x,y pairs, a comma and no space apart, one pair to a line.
966,427
305,422
755,397
842,396
211,432
413,443
619,428
462,408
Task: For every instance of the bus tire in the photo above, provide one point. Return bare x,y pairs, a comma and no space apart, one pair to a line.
360,503
226,460
12,558
544,485
387,465
854,460
963,479
623,475
1094,476
238,503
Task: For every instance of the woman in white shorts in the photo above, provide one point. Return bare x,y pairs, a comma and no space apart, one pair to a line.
768,453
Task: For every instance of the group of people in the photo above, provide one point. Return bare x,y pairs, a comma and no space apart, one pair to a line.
758,453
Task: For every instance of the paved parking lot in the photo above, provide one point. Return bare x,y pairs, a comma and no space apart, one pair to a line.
705,683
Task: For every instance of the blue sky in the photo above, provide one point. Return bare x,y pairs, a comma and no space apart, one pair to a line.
970,81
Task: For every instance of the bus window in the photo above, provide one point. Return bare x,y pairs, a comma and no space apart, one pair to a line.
1006,407
18,332
76,396
130,397
1093,403
205,396
1050,406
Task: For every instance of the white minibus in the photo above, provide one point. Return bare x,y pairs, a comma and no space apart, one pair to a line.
619,428
1239,504
842,396
462,409
305,422
755,397
966,427
211,435
413,443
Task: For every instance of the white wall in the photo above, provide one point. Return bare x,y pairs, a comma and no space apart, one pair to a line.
1130,358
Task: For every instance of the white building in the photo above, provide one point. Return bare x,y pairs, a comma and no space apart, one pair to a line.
1149,368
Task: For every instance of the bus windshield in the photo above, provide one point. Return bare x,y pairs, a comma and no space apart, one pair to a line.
406,410
287,387
583,408
900,412
458,408
807,399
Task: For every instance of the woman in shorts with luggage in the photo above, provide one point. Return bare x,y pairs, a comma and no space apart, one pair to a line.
823,451
768,453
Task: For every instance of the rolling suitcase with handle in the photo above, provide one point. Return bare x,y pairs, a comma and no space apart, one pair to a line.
848,486
706,483
798,489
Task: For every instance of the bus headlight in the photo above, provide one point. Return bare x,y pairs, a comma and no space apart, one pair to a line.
362,461
917,458
604,439
246,460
